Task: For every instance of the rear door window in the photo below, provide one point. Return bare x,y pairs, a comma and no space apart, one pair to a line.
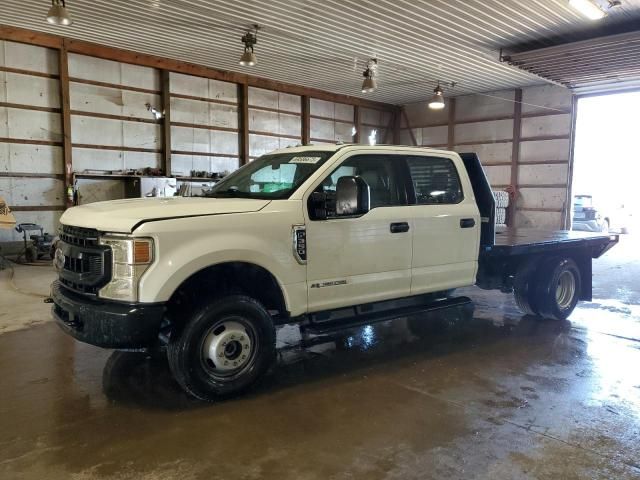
435,180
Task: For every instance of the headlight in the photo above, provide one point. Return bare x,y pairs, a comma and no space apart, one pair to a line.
131,257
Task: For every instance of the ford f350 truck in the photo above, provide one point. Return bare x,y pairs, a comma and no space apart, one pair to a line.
324,236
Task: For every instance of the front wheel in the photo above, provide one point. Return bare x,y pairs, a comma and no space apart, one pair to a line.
224,348
558,288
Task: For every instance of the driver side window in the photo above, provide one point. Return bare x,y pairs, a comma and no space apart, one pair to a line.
378,171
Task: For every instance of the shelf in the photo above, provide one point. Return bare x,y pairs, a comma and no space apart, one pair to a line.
123,176
197,179
105,175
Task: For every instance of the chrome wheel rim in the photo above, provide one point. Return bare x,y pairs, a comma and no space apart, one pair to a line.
565,290
228,348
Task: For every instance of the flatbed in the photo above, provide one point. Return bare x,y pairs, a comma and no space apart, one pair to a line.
527,240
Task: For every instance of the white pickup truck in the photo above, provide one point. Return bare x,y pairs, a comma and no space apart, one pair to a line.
323,236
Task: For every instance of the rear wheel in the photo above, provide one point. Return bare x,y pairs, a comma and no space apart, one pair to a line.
523,290
558,288
224,348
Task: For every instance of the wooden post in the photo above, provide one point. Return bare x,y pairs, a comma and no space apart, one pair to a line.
357,121
451,126
166,122
306,119
515,154
65,111
397,121
243,123
406,121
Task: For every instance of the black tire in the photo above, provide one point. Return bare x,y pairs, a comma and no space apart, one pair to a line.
558,288
209,332
523,291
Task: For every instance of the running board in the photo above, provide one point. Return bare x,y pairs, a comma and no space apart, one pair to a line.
359,320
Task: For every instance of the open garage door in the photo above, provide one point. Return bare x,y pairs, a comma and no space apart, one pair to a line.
598,65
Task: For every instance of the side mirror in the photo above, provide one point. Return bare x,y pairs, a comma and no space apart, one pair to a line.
352,196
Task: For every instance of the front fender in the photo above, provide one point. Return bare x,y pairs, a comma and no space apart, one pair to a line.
186,246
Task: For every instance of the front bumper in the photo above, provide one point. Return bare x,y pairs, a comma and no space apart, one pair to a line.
106,324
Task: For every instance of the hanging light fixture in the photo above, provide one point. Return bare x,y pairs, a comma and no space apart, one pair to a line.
369,84
437,101
249,58
58,13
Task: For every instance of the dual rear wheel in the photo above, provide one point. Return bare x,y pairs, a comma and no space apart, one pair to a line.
550,289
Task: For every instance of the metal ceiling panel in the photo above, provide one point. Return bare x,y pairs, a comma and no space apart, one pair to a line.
590,66
325,44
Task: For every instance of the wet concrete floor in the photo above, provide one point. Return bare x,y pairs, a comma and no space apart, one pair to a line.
495,396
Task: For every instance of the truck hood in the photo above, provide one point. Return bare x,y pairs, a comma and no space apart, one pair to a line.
124,216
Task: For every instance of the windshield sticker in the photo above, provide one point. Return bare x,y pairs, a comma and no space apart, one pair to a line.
311,160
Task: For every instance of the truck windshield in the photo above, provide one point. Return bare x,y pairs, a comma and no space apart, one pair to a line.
274,176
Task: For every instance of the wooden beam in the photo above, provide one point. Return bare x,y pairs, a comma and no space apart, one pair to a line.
117,148
37,208
515,153
21,106
115,86
166,121
108,116
306,119
57,176
406,120
27,141
243,123
128,56
451,125
357,121
65,110
31,73
397,120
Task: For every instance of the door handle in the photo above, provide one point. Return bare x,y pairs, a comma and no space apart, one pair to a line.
467,223
399,227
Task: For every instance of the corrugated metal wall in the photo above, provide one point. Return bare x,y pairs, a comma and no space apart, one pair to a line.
487,124
31,165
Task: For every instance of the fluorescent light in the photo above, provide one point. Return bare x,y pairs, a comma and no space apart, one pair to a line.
588,8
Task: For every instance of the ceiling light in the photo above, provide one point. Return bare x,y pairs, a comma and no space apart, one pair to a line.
58,13
369,84
248,58
437,101
588,8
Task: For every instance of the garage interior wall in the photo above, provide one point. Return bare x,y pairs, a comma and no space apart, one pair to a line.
522,137
111,126
31,159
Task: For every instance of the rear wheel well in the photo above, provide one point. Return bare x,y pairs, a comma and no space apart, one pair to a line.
228,279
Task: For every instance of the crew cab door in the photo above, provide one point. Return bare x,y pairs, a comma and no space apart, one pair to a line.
446,224
361,259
